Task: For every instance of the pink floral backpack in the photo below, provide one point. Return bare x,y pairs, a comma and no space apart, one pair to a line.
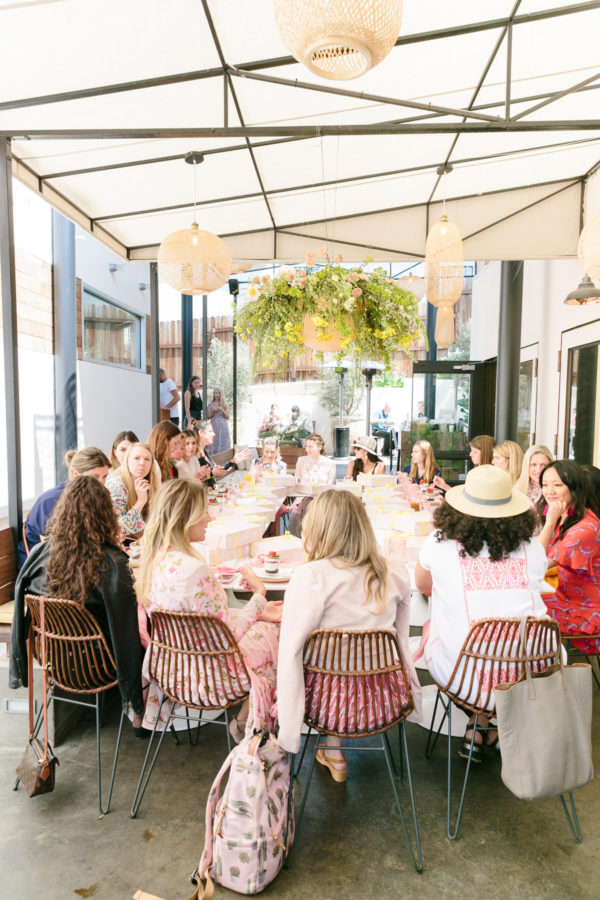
250,828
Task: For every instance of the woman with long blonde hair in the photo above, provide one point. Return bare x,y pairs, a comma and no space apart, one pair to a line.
423,467
173,575
347,584
218,413
508,456
534,462
133,487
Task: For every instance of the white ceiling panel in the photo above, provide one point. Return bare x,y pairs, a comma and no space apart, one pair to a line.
162,184
241,215
348,199
330,159
66,46
533,168
481,145
49,157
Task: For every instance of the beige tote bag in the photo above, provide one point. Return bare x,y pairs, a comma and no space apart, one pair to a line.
545,728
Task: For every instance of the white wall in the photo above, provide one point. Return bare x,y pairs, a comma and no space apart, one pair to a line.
545,316
112,398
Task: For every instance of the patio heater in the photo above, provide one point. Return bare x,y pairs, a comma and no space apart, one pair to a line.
370,369
341,434
234,290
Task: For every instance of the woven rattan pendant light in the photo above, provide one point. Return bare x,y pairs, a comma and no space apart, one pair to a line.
414,284
588,249
339,39
444,276
194,261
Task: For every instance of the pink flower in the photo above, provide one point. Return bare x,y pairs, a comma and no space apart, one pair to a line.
356,292
323,250
302,283
339,258
309,259
264,279
353,277
301,273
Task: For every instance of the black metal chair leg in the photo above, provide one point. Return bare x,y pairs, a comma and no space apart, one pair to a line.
454,834
430,746
141,788
398,769
417,860
104,811
572,817
299,766
301,814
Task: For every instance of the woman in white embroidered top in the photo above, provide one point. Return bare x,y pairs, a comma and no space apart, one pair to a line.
482,561
346,583
315,468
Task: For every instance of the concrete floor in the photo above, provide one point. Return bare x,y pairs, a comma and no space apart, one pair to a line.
55,847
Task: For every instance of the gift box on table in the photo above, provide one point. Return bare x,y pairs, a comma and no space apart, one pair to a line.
391,543
227,555
390,518
376,480
419,524
290,548
352,486
271,480
235,531
311,488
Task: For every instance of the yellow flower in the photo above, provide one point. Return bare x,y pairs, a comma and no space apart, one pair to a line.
277,332
252,292
288,326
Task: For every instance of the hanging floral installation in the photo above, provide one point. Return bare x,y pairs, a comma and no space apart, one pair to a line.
354,314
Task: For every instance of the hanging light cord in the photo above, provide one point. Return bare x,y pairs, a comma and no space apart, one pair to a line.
195,191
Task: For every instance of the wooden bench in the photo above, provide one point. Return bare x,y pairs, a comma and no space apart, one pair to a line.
8,575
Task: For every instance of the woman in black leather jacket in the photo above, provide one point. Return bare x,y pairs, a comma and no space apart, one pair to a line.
83,561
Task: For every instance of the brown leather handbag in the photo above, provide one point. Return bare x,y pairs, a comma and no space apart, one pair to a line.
36,769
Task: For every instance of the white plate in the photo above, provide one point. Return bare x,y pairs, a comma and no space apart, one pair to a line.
282,575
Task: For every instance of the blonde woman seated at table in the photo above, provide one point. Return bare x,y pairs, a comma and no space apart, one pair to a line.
346,583
423,467
173,575
508,456
534,462
132,488
366,459
270,461
482,561
315,468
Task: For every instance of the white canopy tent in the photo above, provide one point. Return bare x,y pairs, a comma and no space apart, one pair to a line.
103,98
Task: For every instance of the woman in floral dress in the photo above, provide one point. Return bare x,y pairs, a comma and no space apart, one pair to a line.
173,575
132,488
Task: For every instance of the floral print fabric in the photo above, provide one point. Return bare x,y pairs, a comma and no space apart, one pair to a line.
186,584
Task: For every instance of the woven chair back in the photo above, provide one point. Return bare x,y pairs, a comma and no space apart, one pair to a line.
355,682
77,653
490,655
195,660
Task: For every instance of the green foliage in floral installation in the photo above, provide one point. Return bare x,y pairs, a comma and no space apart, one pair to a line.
373,315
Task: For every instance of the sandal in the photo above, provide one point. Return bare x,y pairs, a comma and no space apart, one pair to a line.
237,729
337,767
476,753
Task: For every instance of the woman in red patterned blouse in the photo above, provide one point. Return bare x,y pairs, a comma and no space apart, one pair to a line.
571,537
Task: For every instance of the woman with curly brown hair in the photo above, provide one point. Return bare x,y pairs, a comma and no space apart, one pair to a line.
480,562
165,445
82,561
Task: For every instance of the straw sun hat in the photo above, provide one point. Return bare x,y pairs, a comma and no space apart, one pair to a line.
367,443
488,493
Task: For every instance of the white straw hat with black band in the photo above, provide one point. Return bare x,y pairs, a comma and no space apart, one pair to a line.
367,443
488,493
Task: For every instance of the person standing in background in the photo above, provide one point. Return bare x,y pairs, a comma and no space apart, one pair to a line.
169,398
218,413
192,401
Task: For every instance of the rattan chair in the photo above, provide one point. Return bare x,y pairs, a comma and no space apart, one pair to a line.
589,657
356,687
490,656
196,663
79,663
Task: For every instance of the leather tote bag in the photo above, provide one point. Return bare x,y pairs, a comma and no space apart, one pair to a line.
544,728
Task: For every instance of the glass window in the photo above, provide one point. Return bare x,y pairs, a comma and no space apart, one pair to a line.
583,399
110,333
